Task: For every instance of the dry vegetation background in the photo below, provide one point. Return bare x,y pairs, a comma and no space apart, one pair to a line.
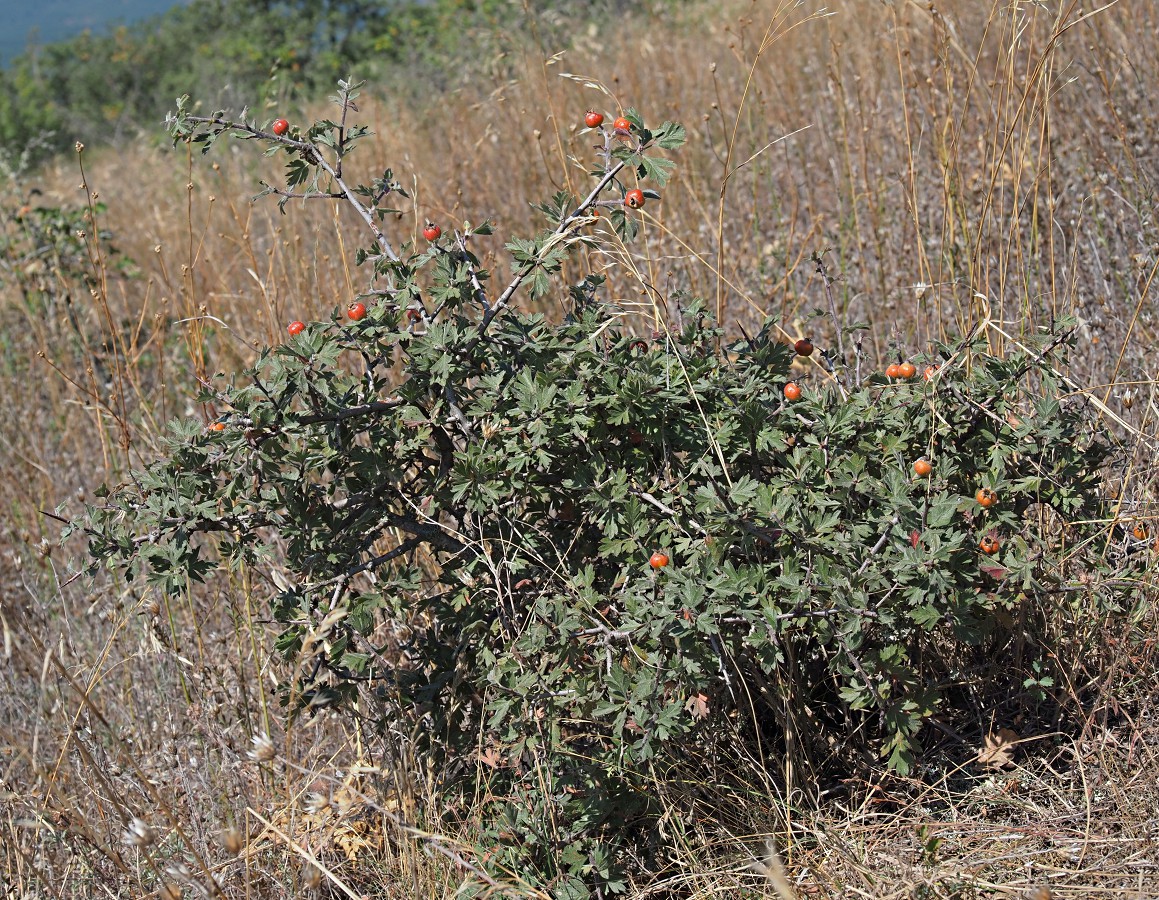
959,162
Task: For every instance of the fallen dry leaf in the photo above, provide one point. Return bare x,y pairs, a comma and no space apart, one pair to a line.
698,706
998,751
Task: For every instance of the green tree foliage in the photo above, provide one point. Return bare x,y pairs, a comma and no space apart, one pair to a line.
97,88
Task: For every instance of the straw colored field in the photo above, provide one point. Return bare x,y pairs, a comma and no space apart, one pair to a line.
953,165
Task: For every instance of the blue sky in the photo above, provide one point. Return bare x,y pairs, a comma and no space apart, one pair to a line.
57,19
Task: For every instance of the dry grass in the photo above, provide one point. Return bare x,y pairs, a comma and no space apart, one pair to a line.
964,163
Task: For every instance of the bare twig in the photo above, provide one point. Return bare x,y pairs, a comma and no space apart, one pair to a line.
877,547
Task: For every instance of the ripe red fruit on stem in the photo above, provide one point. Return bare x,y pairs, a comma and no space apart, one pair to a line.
658,560
792,391
923,467
893,370
593,119
985,497
803,347
622,125
280,127
907,370
988,545
634,198
356,311
296,327
432,231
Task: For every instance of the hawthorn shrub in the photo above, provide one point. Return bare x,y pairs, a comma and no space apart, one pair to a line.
465,497
44,255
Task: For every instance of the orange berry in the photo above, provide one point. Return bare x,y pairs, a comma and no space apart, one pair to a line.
923,467
893,370
907,370
792,391
217,426
989,545
985,497
658,560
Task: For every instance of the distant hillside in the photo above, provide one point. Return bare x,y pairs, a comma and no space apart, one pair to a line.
56,20
102,86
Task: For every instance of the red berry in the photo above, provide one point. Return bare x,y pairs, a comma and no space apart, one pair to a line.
988,545
280,127
593,119
296,327
658,560
907,370
893,370
634,198
985,497
923,467
356,311
622,125
792,391
413,315
432,231
803,347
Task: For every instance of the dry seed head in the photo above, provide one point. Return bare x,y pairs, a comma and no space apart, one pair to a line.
317,803
139,834
263,748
